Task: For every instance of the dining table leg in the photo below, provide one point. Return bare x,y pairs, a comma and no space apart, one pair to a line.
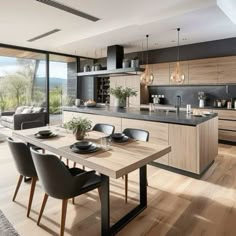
105,205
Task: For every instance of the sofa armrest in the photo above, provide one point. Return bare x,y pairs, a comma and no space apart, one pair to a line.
22,118
7,113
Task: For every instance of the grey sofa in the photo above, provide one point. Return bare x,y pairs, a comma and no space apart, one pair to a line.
18,121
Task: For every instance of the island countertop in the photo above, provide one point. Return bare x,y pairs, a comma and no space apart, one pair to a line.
134,113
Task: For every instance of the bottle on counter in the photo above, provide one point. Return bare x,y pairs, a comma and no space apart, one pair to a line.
188,108
229,105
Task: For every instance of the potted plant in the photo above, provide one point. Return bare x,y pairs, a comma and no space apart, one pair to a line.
201,98
79,126
121,94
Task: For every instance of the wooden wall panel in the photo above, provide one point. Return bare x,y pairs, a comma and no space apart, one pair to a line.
161,73
227,70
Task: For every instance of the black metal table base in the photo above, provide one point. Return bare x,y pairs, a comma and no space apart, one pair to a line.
105,202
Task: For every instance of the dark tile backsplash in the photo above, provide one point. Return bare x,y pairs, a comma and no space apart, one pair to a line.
189,94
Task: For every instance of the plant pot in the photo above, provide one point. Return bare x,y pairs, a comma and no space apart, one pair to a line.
120,102
79,135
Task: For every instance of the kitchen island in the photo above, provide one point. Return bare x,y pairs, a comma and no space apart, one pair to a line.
193,140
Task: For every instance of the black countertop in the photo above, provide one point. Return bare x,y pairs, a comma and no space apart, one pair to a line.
133,113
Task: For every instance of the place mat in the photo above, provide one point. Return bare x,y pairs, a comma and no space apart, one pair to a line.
84,155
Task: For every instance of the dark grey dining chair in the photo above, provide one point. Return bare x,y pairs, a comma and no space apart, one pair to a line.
104,128
138,134
25,166
60,182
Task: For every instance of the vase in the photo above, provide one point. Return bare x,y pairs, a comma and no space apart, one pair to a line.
79,135
120,102
201,103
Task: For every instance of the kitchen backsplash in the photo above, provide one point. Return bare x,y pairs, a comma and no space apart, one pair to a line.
189,94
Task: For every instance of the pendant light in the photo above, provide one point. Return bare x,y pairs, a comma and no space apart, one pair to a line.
177,76
146,77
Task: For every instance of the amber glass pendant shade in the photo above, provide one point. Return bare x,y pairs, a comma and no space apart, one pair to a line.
147,77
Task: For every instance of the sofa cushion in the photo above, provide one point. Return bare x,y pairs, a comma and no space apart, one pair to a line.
37,109
7,118
27,111
20,109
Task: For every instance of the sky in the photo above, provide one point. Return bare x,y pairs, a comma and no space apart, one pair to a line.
57,69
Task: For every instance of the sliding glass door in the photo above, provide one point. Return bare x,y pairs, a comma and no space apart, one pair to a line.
62,85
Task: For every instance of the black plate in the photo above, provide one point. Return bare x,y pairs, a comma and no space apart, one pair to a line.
91,149
123,140
117,136
83,145
45,137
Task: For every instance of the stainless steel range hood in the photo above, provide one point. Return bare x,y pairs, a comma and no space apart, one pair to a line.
115,55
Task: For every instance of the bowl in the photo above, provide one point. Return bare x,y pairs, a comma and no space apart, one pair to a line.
45,133
83,145
117,136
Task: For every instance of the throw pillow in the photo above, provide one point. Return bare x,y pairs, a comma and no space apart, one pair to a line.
26,111
37,109
19,109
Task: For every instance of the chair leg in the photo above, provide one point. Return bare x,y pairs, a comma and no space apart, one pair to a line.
43,151
74,164
17,187
73,201
63,216
147,182
60,157
126,188
83,167
67,162
33,183
42,207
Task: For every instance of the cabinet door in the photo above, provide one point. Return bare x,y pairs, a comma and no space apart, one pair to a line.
183,142
227,70
158,133
161,73
184,69
203,71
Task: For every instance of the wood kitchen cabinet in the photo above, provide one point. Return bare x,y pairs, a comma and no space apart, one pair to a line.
203,71
161,73
227,70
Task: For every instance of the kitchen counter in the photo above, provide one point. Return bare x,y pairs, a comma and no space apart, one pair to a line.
134,113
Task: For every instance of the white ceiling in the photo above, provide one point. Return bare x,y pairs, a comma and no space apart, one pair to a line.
122,22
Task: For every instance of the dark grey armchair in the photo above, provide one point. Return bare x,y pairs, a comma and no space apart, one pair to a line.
60,182
138,134
25,166
16,121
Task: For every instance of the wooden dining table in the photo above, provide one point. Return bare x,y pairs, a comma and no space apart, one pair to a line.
113,162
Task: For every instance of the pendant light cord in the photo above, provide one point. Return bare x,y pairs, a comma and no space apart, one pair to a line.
178,29
147,47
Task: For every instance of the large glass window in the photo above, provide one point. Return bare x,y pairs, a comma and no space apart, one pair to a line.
22,79
62,85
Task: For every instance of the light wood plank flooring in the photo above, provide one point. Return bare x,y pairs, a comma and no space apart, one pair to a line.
177,205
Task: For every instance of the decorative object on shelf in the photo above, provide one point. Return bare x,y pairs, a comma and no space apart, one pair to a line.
126,63
201,98
147,77
121,94
135,62
86,68
79,126
177,76
97,66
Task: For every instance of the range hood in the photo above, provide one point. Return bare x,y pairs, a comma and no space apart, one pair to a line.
115,55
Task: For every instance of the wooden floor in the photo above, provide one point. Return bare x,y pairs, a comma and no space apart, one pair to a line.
177,205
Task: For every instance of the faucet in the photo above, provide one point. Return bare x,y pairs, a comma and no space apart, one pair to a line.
178,103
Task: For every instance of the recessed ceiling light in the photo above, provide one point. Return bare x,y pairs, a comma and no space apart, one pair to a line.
66,8
44,35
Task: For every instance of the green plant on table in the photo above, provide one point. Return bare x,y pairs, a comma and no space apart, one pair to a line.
79,126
